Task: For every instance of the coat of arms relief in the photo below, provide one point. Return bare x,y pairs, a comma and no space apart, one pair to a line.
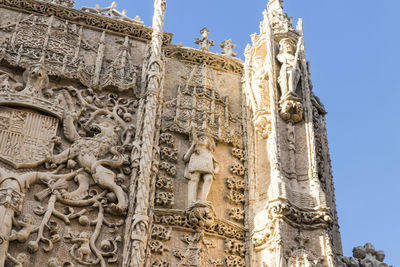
69,148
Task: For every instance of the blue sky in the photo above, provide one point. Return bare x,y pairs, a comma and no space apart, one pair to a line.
353,49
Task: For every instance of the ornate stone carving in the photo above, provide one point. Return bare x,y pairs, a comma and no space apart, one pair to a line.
238,169
291,139
238,153
200,165
235,261
202,110
26,137
165,199
164,183
112,12
201,215
138,228
236,214
227,47
66,3
196,253
235,248
167,139
294,216
160,232
121,73
291,108
308,218
86,158
259,81
100,22
219,227
204,42
300,255
217,62
168,168
363,257
170,154
160,263
90,154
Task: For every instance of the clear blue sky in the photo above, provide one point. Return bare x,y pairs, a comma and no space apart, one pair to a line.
353,46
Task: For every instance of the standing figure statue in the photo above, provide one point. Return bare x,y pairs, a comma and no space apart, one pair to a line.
289,74
200,164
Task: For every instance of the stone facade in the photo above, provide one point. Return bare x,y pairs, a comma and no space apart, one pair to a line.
119,148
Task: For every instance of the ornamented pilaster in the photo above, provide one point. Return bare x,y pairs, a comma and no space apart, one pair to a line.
279,97
135,255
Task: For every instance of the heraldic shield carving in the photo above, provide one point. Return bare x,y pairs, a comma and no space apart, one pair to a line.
25,136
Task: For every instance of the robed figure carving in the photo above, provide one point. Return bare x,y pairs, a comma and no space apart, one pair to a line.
201,167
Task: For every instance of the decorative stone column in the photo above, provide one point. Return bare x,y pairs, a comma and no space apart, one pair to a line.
292,222
138,229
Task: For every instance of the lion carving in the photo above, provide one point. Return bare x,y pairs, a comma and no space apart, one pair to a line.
93,155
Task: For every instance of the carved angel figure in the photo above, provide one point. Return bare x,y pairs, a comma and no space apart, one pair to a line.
91,154
200,163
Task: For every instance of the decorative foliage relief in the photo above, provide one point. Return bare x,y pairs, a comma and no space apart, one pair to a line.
78,173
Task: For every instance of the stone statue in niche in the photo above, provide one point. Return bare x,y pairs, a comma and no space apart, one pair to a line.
289,74
291,108
200,165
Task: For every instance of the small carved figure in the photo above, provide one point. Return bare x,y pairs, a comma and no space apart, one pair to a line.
22,235
200,163
84,250
35,80
289,75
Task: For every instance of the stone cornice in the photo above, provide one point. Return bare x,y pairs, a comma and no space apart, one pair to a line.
80,17
215,61
178,218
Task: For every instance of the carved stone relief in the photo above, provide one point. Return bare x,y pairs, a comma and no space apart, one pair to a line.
112,12
136,30
63,47
78,178
363,257
164,182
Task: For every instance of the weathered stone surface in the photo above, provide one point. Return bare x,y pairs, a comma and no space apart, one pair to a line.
120,149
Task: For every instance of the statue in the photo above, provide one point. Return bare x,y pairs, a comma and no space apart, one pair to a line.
200,164
289,74
291,108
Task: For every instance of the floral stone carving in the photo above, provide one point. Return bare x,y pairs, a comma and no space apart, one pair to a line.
201,214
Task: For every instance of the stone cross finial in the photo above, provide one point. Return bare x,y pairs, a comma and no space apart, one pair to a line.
227,47
204,42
